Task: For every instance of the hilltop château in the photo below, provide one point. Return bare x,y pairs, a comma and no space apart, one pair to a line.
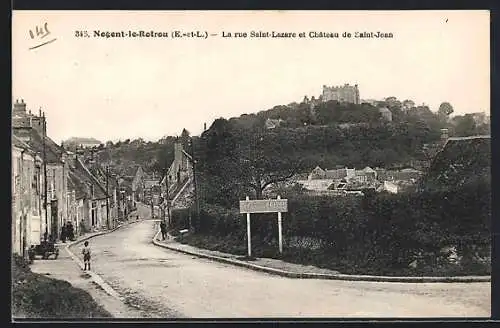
346,93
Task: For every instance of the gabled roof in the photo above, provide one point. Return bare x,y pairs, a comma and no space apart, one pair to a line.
82,178
74,183
318,169
369,170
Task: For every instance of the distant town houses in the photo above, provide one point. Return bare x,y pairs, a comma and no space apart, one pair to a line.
273,123
51,186
356,180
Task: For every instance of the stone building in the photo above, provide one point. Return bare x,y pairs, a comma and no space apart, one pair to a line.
386,114
27,197
29,129
346,93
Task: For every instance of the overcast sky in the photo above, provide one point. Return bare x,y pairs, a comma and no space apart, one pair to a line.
120,88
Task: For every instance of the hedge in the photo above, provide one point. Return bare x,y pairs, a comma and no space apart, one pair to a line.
384,231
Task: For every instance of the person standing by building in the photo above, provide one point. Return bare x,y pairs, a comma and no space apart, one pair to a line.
63,233
70,231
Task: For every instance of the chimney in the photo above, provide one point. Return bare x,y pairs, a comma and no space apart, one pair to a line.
444,135
204,126
19,108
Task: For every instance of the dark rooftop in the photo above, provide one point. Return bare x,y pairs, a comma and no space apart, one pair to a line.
31,137
461,161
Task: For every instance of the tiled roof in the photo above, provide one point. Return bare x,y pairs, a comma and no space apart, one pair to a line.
460,161
74,183
20,144
35,141
83,179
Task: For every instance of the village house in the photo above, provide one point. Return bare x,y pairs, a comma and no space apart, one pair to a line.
386,114
31,129
320,180
109,182
27,197
90,197
177,184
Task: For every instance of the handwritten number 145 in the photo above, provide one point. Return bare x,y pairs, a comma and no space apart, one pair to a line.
41,32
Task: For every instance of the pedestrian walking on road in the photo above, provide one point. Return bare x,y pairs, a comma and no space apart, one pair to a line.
163,228
86,255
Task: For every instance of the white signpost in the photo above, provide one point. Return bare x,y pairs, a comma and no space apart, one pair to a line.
264,206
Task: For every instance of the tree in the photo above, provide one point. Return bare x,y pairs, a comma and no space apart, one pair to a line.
236,161
465,126
408,104
267,159
445,110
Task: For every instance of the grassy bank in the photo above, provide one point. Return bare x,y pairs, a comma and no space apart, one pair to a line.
37,296
328,259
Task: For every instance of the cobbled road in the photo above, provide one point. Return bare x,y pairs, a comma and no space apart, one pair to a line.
162,283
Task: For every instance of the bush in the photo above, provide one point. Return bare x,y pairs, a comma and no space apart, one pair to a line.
377,234
180,219
37,296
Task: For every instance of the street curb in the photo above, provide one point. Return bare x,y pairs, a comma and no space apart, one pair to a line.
346,277
95,277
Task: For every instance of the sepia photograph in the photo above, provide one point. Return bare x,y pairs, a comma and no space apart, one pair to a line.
250,165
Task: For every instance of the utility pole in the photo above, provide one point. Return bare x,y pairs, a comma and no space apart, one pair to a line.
167,193
45,178
107,195
195,186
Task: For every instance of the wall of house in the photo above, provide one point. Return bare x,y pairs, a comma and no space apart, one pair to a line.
26,201
57,190
16,201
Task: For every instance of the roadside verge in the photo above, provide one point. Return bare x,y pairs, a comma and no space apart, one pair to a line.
305,275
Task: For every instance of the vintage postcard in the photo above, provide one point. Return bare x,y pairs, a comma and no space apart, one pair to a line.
251,164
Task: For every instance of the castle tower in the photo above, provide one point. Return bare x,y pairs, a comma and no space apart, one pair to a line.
19,108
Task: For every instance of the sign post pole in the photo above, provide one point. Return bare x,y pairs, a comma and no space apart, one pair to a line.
280,233
249,236
264,206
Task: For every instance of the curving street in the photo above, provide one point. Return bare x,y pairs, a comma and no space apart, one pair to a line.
164,283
